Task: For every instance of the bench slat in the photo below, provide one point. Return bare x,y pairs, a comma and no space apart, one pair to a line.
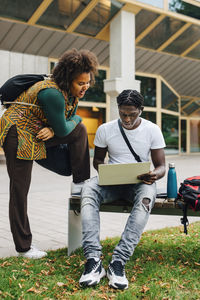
161,207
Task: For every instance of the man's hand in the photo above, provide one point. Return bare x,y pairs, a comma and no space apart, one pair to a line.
45,134
148,178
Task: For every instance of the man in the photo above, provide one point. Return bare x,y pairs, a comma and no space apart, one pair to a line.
146,138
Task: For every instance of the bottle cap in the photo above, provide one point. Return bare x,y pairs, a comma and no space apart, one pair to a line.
172,165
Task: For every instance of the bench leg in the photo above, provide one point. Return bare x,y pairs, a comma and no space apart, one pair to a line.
74,231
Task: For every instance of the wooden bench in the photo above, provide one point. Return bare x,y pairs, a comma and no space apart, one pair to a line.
161,207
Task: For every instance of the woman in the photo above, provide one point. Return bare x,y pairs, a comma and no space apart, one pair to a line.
46,117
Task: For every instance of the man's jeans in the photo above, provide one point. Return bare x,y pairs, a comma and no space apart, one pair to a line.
141,195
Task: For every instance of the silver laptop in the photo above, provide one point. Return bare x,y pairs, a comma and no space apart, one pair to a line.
112,174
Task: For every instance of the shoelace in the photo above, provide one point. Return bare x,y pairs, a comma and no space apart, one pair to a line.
90,265
118,268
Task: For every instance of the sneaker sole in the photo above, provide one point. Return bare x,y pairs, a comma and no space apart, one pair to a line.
76,196
116,285
88,284
32,257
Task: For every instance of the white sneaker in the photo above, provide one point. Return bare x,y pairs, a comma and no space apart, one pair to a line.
93,272
76,189
116,275
33,253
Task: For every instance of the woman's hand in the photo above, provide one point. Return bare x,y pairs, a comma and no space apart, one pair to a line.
45,134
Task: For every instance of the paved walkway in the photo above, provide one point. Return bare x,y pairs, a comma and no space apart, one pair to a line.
48,201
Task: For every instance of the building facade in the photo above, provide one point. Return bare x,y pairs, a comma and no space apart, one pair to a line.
149,45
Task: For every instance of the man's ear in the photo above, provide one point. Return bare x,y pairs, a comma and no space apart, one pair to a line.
141,110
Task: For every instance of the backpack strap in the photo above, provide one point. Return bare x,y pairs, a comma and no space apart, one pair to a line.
184,220
127,142
21,103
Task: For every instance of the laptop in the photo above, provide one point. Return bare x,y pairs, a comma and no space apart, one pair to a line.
113,174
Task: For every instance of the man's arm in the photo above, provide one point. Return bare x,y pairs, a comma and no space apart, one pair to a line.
99,156
158,159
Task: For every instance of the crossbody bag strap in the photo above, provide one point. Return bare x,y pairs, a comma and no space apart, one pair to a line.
127,142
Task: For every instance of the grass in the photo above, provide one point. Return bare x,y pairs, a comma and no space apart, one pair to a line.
165,265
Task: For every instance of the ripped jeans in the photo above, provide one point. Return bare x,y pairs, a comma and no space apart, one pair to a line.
141,195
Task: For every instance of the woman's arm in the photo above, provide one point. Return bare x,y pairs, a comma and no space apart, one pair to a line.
53,106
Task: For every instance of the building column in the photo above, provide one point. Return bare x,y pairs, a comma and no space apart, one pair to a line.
122,59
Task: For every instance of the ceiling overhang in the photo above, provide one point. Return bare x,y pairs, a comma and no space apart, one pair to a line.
167,43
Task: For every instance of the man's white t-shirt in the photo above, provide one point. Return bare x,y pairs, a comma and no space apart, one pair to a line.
145,137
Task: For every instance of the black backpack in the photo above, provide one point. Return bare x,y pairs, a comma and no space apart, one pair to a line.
14,86
189,197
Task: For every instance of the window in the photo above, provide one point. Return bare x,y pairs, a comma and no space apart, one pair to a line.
96,93
92,118
157,3
169,99
170,133
51,65
184,41
19,10
163,31
194,136
148,90
183,135
150,116
103,12
184,8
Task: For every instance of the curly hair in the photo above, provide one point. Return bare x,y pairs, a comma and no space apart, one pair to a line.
130,97
73,63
